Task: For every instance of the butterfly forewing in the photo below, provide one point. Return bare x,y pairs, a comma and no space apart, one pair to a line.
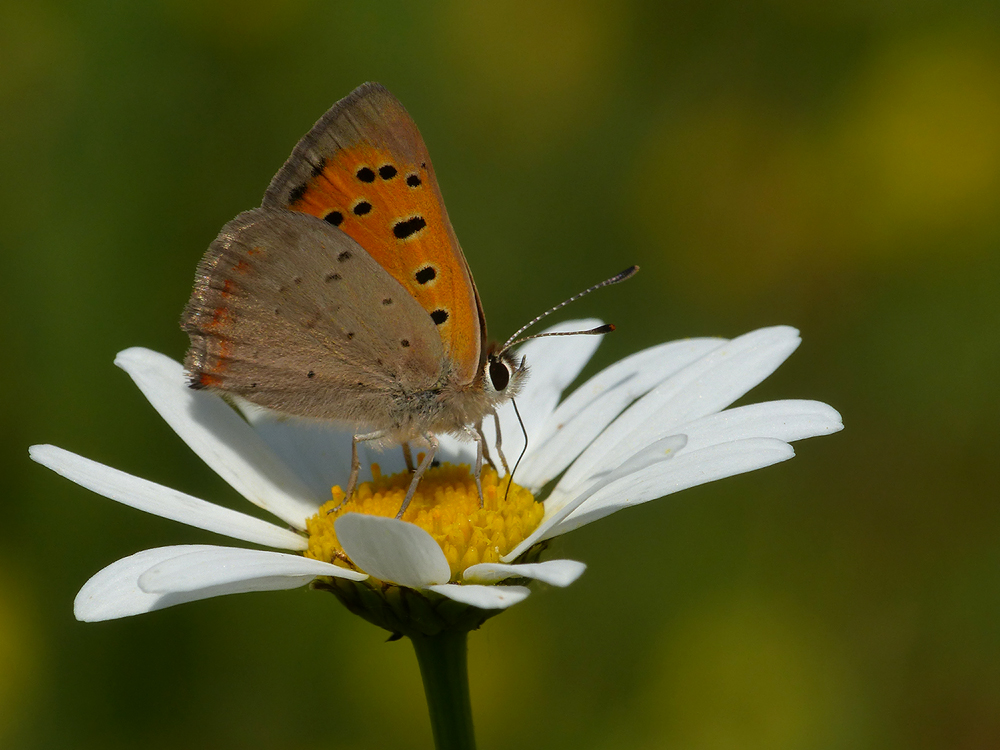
291,313
364,169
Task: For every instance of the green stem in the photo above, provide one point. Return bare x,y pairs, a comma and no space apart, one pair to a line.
442,660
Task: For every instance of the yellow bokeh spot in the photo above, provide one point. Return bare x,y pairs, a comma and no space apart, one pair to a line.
232,23
750,672
20,657
445,505
514,83
739,195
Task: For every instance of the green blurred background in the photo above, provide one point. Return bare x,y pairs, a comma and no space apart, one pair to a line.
830,165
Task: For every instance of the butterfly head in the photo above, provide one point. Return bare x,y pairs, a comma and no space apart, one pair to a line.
503,373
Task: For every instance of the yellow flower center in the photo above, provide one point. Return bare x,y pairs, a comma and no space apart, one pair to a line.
445,505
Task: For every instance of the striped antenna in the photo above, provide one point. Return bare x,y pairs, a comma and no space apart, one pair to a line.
628,273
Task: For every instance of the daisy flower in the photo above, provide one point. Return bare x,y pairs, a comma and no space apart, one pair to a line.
649,425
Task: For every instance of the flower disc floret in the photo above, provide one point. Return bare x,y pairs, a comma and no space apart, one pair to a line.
445,505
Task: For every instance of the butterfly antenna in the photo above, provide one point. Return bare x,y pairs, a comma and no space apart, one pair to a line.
617,278
523,451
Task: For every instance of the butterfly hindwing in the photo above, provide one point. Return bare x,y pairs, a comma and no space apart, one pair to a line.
293,314
364,169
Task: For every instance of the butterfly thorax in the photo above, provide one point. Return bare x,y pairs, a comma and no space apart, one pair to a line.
450,405
403,413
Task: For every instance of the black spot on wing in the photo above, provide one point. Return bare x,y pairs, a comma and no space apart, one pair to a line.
387,301
365,175
296,193
425,275
361,208
439,316
413,181
387,171
310,374
404,343
333,277
334,217
345,255
408,227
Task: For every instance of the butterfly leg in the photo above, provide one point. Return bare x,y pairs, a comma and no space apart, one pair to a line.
480,437
408,457
503,458
477,435
432,443
352,481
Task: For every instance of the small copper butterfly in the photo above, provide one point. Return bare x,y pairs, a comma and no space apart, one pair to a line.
346,295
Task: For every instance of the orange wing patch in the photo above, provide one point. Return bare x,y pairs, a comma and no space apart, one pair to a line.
394,212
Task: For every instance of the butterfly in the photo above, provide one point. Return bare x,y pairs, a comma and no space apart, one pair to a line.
346,295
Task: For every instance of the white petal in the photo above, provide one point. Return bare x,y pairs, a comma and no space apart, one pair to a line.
684,471
785,420
558,506
163,501
553,572
319,451
705,386
553,363
392,550
220,437
220,566
484,597
591,407
654,453
114,591
453,449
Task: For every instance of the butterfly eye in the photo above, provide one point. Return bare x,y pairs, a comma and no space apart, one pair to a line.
499,375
